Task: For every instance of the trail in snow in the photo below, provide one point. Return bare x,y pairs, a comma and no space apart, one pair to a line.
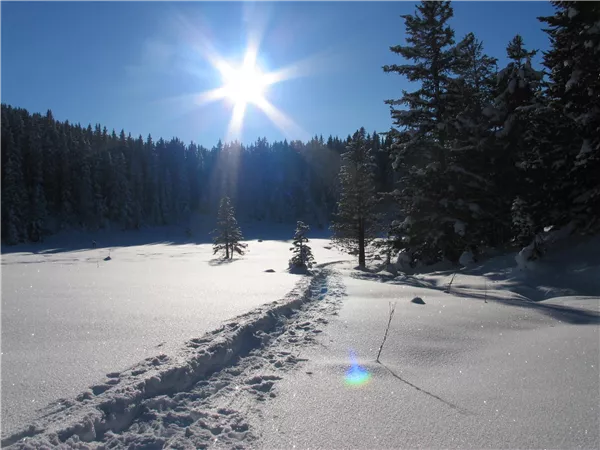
69,317
194,400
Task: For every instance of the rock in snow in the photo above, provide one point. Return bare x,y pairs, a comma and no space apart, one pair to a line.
418,301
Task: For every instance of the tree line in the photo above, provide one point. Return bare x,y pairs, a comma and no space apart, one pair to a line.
57,175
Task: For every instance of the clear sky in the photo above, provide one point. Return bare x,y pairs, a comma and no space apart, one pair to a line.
139,66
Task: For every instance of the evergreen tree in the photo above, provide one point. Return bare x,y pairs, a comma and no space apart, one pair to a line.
84,191
514,114
37,198
422,136
354,224
227,234
473,202
13,193
574,94
303,258
100,211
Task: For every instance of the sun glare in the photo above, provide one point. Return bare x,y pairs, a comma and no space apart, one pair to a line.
244,85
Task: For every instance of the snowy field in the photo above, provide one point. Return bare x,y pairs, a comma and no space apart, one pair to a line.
506,358
69,317
456,372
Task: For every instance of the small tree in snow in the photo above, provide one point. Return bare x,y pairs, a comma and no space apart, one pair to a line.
354,225
303,257
227,234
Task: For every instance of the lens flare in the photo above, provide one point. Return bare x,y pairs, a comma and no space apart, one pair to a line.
356,375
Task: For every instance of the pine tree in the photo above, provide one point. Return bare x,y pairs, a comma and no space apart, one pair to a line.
100,204
65,179
227,234
37,198
473,203
422,136
574,94
303,258
514,114
355,223
13,193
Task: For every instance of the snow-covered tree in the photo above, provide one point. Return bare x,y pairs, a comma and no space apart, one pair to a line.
228,235
37,197
423,135
473,202
544,163
13,192
574,93
303,258
355,223
513,115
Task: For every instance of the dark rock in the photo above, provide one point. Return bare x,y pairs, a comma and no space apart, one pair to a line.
418,301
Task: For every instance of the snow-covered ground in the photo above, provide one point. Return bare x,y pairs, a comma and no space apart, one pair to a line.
456,372
69,317
479,366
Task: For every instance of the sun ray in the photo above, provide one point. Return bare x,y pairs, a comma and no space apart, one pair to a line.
234,129
305,67
213,95
285,124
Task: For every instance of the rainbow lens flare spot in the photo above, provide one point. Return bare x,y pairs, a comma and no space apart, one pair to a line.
356,375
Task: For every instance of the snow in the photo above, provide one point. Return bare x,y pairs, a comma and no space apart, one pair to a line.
456,373
459,228
69,317
466,259
505,359
574,80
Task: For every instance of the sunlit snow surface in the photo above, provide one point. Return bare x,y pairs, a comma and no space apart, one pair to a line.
69,317
479,367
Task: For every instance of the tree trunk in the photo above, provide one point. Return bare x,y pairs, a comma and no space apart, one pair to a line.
361,243
227,250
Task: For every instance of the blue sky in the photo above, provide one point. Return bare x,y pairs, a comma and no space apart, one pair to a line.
135,65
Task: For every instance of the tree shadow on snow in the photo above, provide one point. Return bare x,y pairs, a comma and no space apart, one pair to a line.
445,402
221,261
82,240
572,315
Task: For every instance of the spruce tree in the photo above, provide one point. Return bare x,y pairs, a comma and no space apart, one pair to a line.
354,224
228,235
514,114
422,136
473,203
303,258
574,94
13,193
37,198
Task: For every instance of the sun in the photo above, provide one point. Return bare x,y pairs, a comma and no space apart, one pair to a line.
243,85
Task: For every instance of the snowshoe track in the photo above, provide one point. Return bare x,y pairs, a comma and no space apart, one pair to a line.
183,401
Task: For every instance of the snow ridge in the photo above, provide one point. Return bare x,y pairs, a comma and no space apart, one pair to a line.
107,409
